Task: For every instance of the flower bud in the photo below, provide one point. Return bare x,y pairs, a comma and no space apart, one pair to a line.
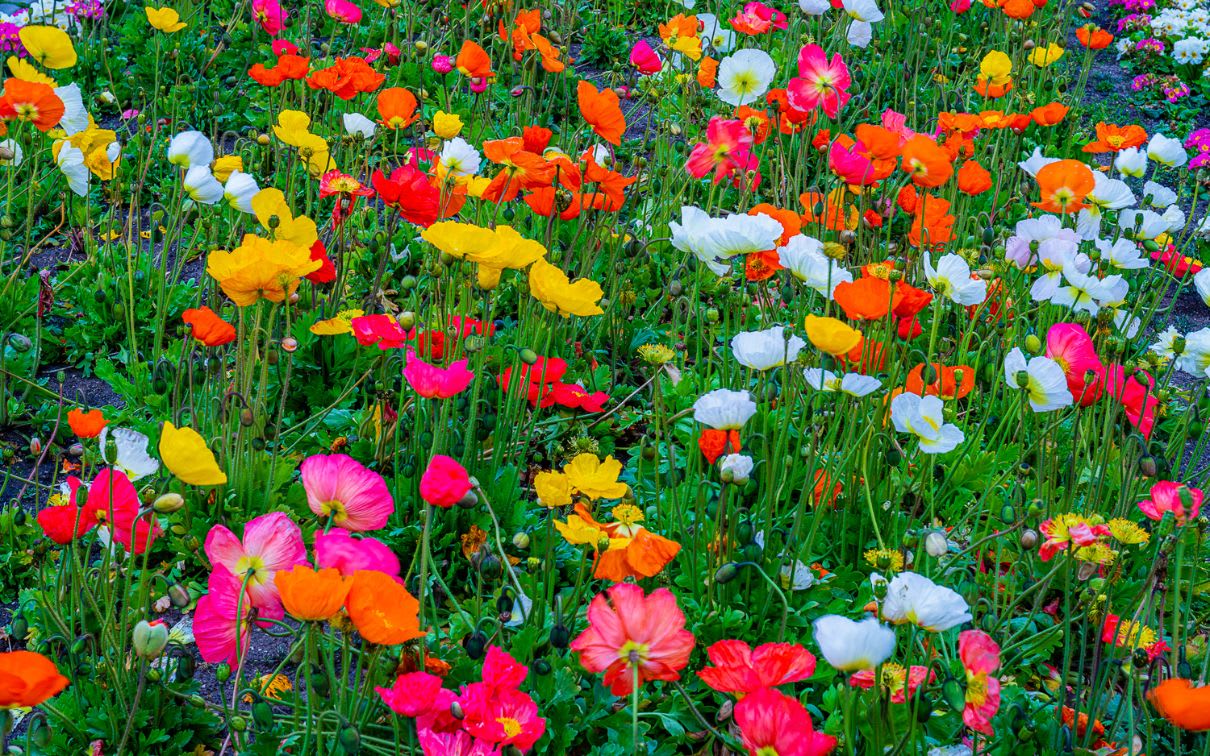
521,540
149,639
179,595
529,356
168,503
726,573
289,345
1033,344
936,544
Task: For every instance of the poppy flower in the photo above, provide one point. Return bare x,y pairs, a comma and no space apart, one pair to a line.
560,295
433,382
223,618
740,669
820,82
341,488
756,18
31,102
86,424
932,223
382,610
312,595
1050,114
420,696
715,443
473,62
49,45
444,482
632,636
346,78
1064,184
980,657
1113,138
271,543
207,327
949,382
1093,37
260,269
344,11
601,111
270,15
727,149
186,454
772,722
707,72
1069,345
1182,704
973,179
867,298
1184,502
902,684
644,59
680,34
166,20
831,336
396,108
411,192
928,164
339,550
28,679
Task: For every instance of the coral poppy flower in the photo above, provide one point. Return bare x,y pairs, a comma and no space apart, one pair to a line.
28,679
1050,114
948,382
601,111
346,78
867,298
444,482
928,164
1184,502
1064,185
1093,37
271,543
289,67
312,595
756,18
342,489
1113,138
396,108
1069,345
1182,704
633,637
820,82
980,657
740,669
207,327
223,617
473,62
86,424
973,179
932,224
339,550
31,102
771,722
727,149
382,610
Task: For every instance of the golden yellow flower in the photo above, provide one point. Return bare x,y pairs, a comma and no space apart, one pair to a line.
554,489
996,66
184,452
446,125
300,231
831,335
342,323
49,45
1044,56
1127,532
595,478
165,19
225,165
259,268
551,287
885,559
494,250
25,71
579,532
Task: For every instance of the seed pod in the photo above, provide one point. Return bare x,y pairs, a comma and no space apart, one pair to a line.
560,636
350,740
726,573
954,695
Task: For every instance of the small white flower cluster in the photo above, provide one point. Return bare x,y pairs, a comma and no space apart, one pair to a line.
1186,28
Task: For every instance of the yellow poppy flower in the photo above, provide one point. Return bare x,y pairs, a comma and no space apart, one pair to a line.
1044,56
579,532
49,45
300,231
342,323
259,268
554,489
996,67
185,453
226,165
831,335
551,287
446,125
595,478
165,19
493,249
24,70
293,129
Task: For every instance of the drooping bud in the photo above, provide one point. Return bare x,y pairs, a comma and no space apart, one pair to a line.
149,639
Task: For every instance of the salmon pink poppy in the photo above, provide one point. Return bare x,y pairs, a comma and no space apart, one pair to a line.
347,493
271,543
633,637
820,82
1069,345
740,669
433,382
1184,502
727,149
899,682
444,482
980,657
378,329
773,723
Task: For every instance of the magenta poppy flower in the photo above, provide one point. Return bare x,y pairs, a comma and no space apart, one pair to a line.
980,657
271,542
644,59
433,382
221,620
343,11
340,487
114,502
341,551
820,82
416,695
727,149
444,482
378,329
270,15
1184,502
504,716
453,743
1069,345
772,722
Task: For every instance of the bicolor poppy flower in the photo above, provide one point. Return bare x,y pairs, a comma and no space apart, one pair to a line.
1113,138
727,149
222,621
820,82
473,62
680,34
271,543
980,657
31,102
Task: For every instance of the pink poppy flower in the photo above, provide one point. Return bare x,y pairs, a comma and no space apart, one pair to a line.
221,620
271,542
960,6
980,656
338,486
443,64
1137,398
270,15
378,329
343,11
901,684
433,382
341,551
453,743
114,502
851,165
738,668
895,121
1071,347
631,635
644,59
1184,502
820,82
504,716
444,482
419,695
727,149
757,18
772,722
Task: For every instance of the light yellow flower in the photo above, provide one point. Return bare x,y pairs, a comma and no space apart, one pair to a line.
185,453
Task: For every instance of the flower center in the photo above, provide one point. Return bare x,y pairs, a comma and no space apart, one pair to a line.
336,510
634,653
253,564
512,728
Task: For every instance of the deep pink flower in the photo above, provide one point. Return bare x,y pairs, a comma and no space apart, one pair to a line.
271,542
340,487
114,502
1137,398
738,668
758,18
344,11
773,723
270,15
338,549
221,620
960,6
443,64
1184,502
501,670
727,149
433,382
504,716
414,694
284,47
444,482
631,634
851,165
643,58
453,743
378,329
1071,347
980,657
820,82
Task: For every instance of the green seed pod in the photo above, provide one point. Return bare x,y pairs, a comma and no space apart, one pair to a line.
222,672
1033,344
350,740
318,682
726,573
262,715
954,695
1008,514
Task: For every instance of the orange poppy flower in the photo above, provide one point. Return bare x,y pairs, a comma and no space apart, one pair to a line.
880,143
994,119
831,212
525,37
207,327
310,594
933,225
707,72
866,358
911,300
959,123
1018,9
601,110
928,164
473,61
757,122
1050,114
867,298
1182,704
346,78
396,108
821,493
28,679
643,556
973,179
1113,138
715,443
1064,186
86,424
991,89
289,67
1093,37
32,102
948,383
908,199
382,610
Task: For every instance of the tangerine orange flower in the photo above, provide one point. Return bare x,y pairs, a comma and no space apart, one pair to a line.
762,265
1114,138
680,34
346,78
933,224
396,108
473,62
928,164
1018,9
86,424
28,679
1093,37
601,110
312,595
525,37
382,610
32,102
207,327
707,72
973,179
948,382
831,211
1064,185
289,67
1050,114
867,298
1182,704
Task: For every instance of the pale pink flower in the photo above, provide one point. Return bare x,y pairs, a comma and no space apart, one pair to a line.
727,149
271,542
980,657
338,486
433,382
820,82
1184,502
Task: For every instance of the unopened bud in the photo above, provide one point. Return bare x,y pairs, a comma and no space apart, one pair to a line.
149,639
168,503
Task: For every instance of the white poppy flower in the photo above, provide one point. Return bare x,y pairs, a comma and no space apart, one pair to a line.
720,37
745,76
924,418
1043,379
1165,344
75,115
952,278
1036,162
913,598
735,468
724,409
71,161
1158,195
762,350
1167,151
1201,282
1195,360
358,125
190,149
459,158
803,256
239,191
1131,162
853,646
1123,254
814,7
130,454
715,241
202,186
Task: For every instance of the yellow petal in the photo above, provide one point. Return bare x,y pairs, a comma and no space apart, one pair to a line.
185,453
49,45
24,70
